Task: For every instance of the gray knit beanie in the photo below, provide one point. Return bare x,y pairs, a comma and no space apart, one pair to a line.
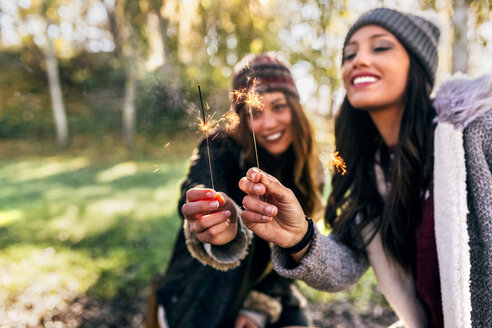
417,34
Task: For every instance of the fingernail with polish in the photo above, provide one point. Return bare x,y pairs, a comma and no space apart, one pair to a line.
257,188
227,213
265,218
269,209
210,195
253,176
228,222
214,204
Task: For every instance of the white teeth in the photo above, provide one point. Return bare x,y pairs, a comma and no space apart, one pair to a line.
273,136
364,79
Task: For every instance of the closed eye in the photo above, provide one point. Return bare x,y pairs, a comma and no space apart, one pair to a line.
381,49
349,56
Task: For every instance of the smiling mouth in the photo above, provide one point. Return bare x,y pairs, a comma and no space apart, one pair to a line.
274,137
364,80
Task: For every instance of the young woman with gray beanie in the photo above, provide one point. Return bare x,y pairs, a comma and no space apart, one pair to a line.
416,201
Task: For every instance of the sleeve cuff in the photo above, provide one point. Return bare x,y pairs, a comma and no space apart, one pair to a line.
224,257
233,252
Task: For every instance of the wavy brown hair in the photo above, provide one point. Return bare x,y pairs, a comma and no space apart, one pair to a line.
307,167
409,173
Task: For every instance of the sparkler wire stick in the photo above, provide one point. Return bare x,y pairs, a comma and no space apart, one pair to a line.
254,136
248,97
206,138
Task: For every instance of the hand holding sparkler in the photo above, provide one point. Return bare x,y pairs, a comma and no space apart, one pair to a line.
272,211
212,216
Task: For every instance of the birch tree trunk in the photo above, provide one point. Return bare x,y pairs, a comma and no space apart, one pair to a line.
460,41
59,113
129,110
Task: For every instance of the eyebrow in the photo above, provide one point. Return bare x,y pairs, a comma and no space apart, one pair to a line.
277,100
374,36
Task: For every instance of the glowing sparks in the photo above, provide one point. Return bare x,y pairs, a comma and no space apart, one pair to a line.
231,120
253,99
338,163
208,126
249,95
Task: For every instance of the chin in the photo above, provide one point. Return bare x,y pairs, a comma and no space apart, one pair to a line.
364,104
364,100
276,150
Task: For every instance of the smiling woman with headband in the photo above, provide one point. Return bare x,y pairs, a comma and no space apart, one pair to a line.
242,292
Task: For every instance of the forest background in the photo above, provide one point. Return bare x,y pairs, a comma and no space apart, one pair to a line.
98,118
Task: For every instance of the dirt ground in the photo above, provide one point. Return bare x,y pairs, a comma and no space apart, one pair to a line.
128,312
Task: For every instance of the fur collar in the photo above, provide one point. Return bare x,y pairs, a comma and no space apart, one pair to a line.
460,100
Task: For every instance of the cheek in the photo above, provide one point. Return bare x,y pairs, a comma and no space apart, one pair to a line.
400,79
290,135
257,123
287,117
345,76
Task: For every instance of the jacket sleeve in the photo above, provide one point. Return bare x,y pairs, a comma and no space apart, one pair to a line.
329,265
478,153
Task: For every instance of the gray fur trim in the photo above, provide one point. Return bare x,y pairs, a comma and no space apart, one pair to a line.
197,250
259,302
460,100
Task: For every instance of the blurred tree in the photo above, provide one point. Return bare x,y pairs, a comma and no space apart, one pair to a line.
460,49
158,7
59,112
480,9
311,38
127,21
459,12
230,29
171,67
45,13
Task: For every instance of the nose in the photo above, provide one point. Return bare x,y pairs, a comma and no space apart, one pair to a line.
362,58
268,120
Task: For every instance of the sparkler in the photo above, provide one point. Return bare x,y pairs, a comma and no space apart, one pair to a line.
337,161
205,128
253,99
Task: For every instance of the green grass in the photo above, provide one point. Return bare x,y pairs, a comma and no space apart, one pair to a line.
98,221
87,222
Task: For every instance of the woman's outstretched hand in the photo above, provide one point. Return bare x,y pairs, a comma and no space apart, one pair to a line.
212,216
271,210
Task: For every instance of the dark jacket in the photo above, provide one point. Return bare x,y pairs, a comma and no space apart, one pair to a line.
195,295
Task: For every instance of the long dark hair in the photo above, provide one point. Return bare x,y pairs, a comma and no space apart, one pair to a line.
409,173
307,169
